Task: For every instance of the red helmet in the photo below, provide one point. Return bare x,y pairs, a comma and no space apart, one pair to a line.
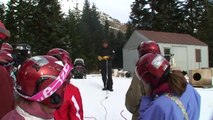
60,54
58,51
4,33
6,60
41,79
148,47
7,47
152,68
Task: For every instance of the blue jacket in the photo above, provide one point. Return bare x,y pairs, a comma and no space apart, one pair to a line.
163,108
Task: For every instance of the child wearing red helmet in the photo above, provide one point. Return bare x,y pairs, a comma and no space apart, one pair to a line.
40,88
136,88
72,108
168,95
6,86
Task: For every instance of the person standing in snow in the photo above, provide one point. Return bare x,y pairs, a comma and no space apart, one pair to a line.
168,95
40,87
6,85
136,88
72,108
105,57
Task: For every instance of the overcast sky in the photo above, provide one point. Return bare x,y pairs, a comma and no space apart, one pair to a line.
118,9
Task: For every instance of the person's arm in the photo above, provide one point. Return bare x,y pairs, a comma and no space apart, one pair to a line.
133,95
6,90
78,106
63,112
112,54
151,111
99,55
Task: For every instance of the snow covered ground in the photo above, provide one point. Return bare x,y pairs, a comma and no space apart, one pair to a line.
102,105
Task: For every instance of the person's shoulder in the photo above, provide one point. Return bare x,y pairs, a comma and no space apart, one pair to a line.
12,115
2,69
72,87
110,48
4,73
190,94
190,90
162,101
156,106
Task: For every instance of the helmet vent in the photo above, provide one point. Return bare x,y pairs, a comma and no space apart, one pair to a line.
36,66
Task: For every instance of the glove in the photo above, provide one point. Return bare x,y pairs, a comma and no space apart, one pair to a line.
105,57
100,58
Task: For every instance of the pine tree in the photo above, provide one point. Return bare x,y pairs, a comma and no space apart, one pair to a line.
106,29
11,20
118,45
19,19
194,10
130,29
48,31
91,32
159,15
71,24
169,16
204,32
140,16
2,12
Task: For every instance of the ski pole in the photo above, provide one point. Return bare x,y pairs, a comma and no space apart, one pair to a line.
106,82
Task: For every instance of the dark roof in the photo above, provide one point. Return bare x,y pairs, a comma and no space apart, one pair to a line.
172,38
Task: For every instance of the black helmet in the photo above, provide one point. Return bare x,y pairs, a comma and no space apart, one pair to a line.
23,47
23,51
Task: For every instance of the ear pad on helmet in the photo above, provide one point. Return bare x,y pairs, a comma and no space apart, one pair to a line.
39,82
55,99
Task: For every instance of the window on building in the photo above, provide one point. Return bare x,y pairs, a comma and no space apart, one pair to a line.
167,53
198,55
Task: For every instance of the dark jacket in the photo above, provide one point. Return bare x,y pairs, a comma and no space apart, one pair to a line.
107,52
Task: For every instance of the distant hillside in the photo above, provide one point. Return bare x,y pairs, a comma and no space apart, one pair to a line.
115,24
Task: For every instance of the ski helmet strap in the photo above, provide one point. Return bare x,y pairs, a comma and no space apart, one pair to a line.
179,104
49,90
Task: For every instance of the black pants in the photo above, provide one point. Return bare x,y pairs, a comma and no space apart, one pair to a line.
106,72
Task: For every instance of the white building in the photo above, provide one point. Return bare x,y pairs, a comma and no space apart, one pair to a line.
188,52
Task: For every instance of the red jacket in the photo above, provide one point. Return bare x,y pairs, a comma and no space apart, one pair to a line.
6,91
72,108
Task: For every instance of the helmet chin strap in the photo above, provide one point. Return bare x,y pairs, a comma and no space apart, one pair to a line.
49,90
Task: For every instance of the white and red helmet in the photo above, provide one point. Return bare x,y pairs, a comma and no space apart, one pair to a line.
152,68
7,47
42,79
6,60
148,47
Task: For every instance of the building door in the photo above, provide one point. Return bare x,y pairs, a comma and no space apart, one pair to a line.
180,57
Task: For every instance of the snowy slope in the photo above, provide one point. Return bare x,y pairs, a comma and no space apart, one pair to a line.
102,105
